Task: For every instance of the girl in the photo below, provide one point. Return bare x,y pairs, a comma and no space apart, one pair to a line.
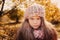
35,27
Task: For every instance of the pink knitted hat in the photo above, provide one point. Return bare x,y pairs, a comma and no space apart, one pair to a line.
35,9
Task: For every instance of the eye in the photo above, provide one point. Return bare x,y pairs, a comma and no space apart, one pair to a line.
32,18
38,18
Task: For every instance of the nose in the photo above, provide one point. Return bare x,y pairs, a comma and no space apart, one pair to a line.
35,21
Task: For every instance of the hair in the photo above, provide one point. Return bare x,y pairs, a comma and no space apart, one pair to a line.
25,32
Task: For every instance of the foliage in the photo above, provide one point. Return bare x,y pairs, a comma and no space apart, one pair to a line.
8,32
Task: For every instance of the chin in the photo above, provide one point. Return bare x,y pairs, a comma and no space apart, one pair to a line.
35,28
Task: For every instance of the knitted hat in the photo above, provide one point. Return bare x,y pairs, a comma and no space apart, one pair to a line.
35,9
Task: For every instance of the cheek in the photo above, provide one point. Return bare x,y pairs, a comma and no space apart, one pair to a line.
30,22
38,22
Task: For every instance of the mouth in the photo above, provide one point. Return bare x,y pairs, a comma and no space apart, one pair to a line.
35,25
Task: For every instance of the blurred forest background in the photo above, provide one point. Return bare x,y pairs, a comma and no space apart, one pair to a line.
12,11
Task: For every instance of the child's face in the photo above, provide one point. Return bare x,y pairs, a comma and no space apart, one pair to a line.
35,21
